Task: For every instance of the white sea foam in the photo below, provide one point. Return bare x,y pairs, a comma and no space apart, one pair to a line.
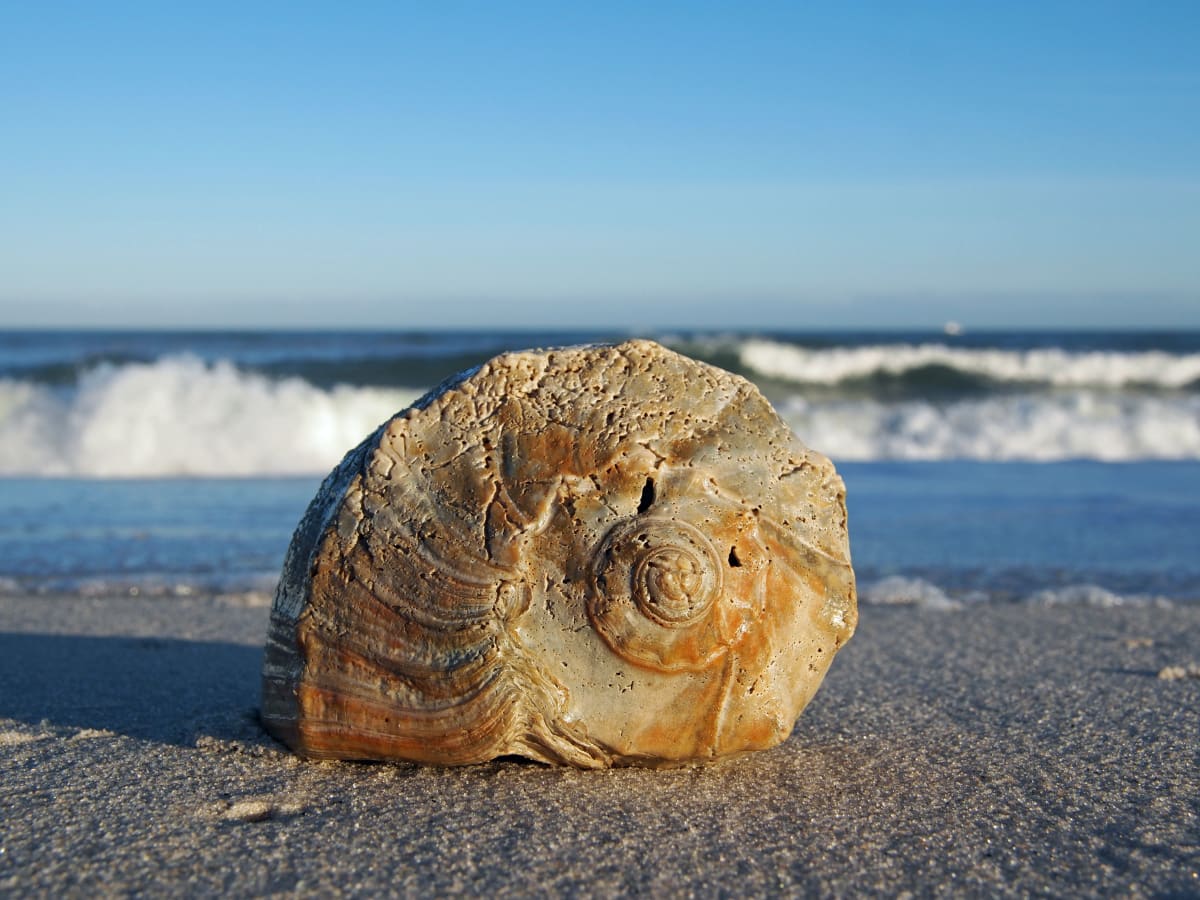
1038,427
1093,595
1048,366
897,590
900,590
181,416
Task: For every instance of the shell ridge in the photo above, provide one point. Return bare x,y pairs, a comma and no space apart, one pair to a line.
546,734
345,686
306,540
430,675
425,739
438,606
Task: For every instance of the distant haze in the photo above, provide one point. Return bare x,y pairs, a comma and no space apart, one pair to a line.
612,166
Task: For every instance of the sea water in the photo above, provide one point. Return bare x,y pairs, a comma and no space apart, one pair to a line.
993,467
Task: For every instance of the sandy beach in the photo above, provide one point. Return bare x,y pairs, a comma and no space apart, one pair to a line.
999,750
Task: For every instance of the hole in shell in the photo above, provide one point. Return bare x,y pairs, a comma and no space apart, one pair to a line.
647,496
734,562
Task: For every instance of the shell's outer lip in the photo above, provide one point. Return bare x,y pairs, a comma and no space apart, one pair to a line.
787,537
836,579
653,584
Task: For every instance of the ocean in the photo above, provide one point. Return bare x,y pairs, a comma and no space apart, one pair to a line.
990,467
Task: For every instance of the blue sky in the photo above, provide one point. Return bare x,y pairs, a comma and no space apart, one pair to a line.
668,165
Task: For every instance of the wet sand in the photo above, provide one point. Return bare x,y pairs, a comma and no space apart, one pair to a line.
998,750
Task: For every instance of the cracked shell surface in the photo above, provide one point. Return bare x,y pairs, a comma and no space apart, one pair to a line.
598,556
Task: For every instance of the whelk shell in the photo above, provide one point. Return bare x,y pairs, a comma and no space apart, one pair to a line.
597,556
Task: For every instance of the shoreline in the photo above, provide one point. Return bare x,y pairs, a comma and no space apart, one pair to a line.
1002,749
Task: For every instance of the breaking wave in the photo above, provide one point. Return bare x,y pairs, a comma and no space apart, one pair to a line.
184,416
1028,427
1043,367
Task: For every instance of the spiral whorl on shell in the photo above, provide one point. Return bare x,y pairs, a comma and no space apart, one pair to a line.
596,555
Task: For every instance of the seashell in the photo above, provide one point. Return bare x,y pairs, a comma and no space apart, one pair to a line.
596,556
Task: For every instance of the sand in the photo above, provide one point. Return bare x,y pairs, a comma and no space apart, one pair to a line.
1002,750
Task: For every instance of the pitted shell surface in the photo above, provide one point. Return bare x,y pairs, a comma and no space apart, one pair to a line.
597,556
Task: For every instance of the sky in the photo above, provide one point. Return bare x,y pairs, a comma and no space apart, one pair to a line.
706,165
